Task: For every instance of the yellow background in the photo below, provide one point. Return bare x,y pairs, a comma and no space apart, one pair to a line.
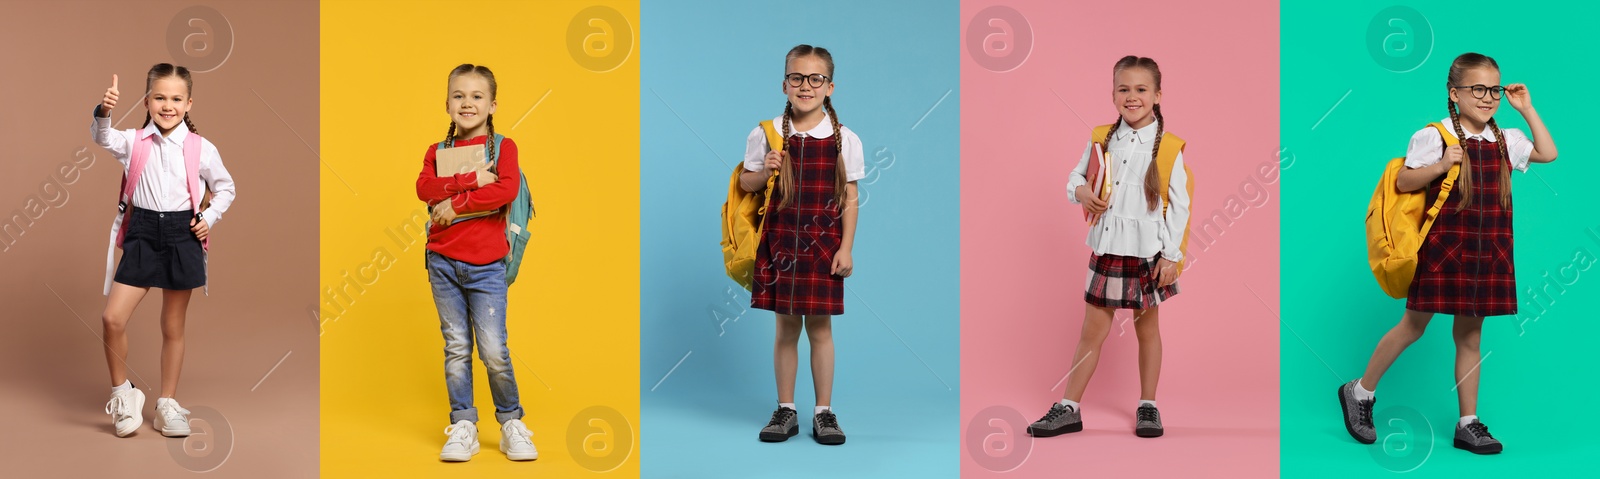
573,313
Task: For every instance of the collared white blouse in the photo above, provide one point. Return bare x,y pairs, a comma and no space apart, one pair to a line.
1129,227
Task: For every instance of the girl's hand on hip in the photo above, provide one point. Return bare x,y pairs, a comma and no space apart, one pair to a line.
200,228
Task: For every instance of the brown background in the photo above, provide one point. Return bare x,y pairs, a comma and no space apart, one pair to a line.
260,107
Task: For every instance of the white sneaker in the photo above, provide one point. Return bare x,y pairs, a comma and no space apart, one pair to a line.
172,420
124,409
463,442
516,441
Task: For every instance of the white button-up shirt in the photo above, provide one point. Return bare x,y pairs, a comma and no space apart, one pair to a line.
1129,227
855,164
1427,147
163,186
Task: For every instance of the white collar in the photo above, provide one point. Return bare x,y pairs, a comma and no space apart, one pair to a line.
1486,135
1144,135
179,133
823,129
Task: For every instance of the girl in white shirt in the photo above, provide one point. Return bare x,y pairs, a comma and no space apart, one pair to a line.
162,228
1136,242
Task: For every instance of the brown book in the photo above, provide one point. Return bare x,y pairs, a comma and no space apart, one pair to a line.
461,159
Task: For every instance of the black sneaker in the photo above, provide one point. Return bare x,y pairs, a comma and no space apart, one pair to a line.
1357,414
1059,420
1149,424
782,426
1475,437
825,428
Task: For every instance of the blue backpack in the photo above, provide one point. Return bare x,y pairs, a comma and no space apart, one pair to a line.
518,213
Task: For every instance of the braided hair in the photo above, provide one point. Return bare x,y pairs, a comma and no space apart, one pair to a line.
786,178
1458,69
1152,176
466,68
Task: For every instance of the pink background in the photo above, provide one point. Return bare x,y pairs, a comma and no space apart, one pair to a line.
1023,256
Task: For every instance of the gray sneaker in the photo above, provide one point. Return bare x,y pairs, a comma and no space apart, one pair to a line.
781,427
825,428
1357,414
1475,437
1060,420
1149,424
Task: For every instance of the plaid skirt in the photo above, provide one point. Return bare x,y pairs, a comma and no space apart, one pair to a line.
1465,266
1125,282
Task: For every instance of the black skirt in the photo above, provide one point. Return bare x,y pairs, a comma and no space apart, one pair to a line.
159,251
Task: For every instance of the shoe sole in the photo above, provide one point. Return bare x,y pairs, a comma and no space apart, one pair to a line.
1148,432
780,437
174,432
138,418
826,440
1490,449
458,457
1348,427
519,456
1074,427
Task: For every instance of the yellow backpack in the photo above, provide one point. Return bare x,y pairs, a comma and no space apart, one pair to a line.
744,216
1168,157
1398,222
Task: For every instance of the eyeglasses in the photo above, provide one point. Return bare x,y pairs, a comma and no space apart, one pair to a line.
817,79
1479,90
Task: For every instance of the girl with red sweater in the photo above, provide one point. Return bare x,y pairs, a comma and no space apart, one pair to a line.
465,268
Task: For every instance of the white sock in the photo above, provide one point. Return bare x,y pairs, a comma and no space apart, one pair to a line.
1143,402
126,385
789,405
1070,403
1362,394
820,409
1467,420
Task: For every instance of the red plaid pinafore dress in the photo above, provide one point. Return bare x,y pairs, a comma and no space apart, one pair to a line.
1465,266
794,262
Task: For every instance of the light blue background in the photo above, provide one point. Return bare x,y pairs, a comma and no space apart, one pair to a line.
710,73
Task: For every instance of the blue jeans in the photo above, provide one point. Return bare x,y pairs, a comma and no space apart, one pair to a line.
472,304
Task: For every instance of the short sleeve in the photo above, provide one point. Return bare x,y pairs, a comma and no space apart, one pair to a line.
1426,148
855,162
755,150
1519,147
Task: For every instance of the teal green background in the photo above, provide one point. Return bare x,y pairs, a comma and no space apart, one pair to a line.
1538,383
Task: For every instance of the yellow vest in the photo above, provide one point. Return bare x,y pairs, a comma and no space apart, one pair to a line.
1398,222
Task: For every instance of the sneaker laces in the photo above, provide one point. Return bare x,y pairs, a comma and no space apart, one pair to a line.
173,413
827,420
1479,430
117,406
458,434
517,433
1147,413
1364,412
781,416
1056,411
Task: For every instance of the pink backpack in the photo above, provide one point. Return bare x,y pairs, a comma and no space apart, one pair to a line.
140,157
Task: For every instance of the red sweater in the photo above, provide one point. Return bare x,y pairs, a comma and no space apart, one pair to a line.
479,240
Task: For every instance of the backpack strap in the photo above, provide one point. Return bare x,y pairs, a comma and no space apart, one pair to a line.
1099,134
774,139
1450,177
1164,164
